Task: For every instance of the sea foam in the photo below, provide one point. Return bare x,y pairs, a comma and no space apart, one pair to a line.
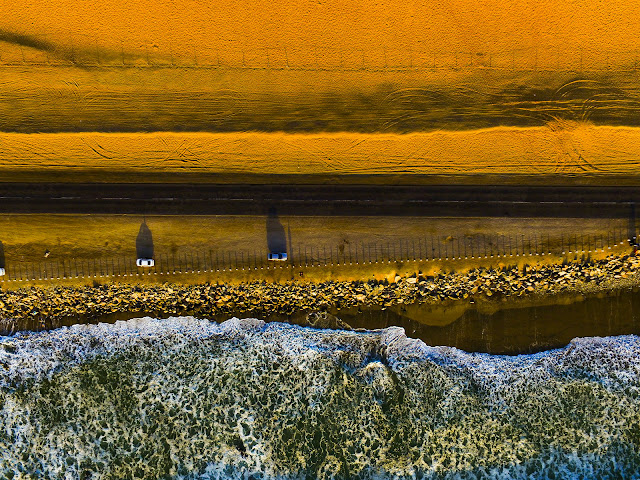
189,398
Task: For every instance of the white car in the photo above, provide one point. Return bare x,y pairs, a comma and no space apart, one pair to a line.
1,272
277,256
145,262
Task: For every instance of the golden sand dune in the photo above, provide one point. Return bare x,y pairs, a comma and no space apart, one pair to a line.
74,99
305,32
559,150
69,72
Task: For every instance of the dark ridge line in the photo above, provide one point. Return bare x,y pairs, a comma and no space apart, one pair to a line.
25,40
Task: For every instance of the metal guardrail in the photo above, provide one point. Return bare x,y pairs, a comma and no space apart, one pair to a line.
417,249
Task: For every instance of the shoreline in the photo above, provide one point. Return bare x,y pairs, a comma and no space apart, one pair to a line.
38,308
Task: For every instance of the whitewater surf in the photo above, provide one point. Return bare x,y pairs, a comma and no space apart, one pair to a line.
190,398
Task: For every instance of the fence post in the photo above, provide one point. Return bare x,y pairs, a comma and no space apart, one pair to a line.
535,244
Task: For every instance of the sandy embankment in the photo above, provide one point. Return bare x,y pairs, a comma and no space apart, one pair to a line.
579,150
392,32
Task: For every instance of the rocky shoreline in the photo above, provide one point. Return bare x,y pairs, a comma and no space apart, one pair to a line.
44,305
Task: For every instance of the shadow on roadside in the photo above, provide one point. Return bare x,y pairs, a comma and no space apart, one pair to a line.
144,242
276,238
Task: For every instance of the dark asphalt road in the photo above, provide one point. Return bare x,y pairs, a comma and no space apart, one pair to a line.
357,200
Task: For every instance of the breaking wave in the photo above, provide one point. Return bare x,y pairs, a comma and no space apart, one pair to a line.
188,398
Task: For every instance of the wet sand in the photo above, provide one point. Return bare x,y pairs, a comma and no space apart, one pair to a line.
516,328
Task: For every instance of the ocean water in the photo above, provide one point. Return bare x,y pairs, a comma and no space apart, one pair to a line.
186,398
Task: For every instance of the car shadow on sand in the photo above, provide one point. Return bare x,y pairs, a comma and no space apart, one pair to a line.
144,242
276,237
